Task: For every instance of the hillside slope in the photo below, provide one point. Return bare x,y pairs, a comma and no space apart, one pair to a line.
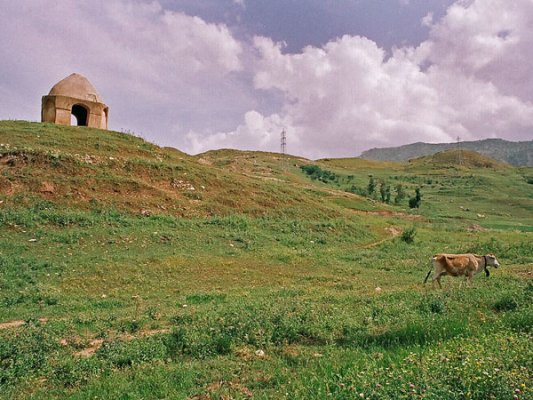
133,271
89,168
457,158
514,153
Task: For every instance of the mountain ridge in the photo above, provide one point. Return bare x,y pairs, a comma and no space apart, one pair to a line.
514,153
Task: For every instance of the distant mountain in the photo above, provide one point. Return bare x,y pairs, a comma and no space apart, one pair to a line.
455,158
514,153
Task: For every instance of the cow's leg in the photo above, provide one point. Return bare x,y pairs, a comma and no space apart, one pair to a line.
469,280
437,279
434,278
437,275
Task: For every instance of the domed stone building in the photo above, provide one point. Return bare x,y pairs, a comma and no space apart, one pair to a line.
75,98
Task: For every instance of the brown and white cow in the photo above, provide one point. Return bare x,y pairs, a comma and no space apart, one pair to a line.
466,265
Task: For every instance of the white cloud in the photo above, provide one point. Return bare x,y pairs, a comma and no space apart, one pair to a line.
256,132
184,82
151,65
472,78
427,20
490,40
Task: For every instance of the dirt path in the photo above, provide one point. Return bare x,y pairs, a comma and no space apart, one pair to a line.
386,213
17,323
394,231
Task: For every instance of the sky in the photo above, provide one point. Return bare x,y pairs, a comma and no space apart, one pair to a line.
339,76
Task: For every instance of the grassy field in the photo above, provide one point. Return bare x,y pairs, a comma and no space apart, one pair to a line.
129,271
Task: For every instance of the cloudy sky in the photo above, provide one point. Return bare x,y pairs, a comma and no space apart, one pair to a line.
340,76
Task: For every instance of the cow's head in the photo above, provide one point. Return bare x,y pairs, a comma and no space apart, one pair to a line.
491,260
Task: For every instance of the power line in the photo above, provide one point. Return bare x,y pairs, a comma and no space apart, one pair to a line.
283,142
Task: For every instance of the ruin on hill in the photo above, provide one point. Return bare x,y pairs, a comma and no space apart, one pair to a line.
75,101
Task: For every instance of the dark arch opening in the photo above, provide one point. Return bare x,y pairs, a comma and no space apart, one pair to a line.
105,118
80,113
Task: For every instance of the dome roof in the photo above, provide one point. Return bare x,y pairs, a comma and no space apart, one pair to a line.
76,86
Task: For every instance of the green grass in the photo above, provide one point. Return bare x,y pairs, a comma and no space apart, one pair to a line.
266,285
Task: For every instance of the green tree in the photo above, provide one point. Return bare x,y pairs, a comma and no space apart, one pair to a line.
384,191
387,194
414,202
400,194
371,186
408,235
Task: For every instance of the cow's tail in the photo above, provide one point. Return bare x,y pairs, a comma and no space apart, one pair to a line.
429,273
427,276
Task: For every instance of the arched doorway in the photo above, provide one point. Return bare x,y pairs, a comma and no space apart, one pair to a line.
79,115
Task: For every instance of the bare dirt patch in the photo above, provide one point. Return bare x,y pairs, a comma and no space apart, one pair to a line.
476,228
394,230
17,323
47,187
11,324
95,344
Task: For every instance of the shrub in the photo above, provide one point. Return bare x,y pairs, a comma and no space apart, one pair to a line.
408,235
176,342
400,194
371,186
311,169
414,202
223,343
384,191
315,172
506,303
432,305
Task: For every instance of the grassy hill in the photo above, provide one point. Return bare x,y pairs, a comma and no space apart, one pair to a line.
457,158
514,153
93,169
133,271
